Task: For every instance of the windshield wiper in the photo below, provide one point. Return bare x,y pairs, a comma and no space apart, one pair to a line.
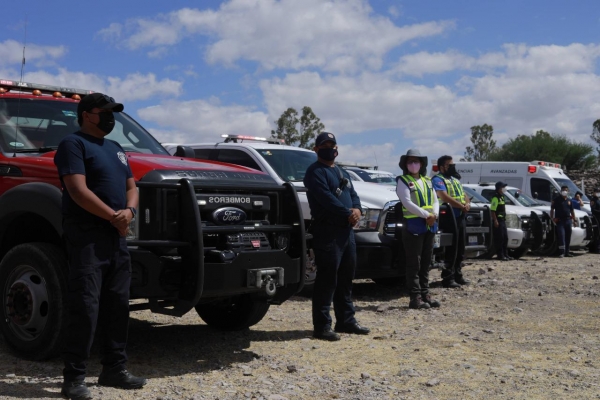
38,150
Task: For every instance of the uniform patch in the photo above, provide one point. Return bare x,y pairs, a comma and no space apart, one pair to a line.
122,157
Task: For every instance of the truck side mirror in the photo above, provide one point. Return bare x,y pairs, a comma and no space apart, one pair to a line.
185,151
535,195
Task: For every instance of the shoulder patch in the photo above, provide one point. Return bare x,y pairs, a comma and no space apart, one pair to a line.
123,157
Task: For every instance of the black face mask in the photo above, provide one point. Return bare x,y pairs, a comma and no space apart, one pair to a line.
452,171
327,154
106,123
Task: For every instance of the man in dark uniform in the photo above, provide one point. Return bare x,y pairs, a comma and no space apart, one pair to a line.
561,212
449,190
99,202
335,209
498,208
595,206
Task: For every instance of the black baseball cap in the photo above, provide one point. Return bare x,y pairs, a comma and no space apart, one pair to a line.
500,185
325,137
98,100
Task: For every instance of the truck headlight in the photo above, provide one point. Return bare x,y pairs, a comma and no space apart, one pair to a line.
512,221
369,220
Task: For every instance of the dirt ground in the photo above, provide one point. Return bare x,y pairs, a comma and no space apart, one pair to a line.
524,329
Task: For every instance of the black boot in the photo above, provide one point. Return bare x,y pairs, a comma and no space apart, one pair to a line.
120,379
432,302
75,390
417,303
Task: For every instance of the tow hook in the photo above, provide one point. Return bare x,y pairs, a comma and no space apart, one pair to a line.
269,279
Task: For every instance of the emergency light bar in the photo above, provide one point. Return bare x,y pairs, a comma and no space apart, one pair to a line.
546,164
37,89
235,138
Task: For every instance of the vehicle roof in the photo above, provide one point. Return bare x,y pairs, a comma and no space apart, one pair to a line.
253,144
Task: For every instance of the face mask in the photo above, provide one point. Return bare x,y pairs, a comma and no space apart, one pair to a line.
597,194
327,154
452,171
503,190
106,123
564,193
414,168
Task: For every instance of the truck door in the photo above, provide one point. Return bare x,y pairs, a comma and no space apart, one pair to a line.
542,189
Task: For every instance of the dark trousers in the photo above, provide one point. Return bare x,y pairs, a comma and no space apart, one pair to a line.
564,226
418,250
455,270
335,256
99,279
501,238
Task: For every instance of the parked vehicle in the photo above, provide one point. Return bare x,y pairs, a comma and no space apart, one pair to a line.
581,235
526,227
541,180
377,241
372,176
185,252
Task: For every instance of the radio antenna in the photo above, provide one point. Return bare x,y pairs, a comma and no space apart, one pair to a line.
20,93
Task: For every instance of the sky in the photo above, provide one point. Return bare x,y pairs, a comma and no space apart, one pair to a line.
384,76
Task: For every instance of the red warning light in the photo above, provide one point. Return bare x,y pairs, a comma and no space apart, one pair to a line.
532,169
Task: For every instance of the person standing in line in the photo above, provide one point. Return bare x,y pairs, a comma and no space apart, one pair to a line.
449,190
563,215
577,201
335,209
595,207
99,201
498,208
420,210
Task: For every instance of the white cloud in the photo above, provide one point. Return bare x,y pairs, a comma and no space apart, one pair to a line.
202,120
333,35
131,88
11,52
562,99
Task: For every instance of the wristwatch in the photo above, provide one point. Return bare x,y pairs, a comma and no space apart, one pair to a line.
133,210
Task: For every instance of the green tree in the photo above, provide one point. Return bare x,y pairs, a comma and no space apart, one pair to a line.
547,147
301,130
483,145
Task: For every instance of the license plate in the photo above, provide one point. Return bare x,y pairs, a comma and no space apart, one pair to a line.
473,240
436,240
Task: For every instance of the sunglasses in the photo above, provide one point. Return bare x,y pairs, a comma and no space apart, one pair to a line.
413,162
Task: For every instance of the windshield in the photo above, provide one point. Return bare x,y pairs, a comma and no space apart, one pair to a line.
572,188
523,199
290,165
474,196
37,125
375,176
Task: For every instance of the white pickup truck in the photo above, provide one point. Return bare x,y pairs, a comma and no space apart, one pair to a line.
378,249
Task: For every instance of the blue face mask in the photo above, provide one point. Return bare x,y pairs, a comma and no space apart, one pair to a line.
328,154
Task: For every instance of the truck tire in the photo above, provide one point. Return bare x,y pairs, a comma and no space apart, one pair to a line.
33,285
233,314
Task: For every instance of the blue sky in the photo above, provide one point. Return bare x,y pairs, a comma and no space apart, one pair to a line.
384,76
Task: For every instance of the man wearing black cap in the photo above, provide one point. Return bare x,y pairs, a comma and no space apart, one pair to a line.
335,209
99,202
498,208
563,215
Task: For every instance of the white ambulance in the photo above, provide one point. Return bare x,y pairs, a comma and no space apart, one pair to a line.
541,180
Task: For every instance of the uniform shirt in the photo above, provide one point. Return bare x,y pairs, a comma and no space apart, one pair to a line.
498,205
562,207
595,204
104,164
403,193
322,182
439,184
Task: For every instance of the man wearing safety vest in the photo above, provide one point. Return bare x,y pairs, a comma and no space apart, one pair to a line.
450,190
420,209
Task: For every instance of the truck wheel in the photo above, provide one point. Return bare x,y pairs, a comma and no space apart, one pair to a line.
517,253
549,247
32,288
234,313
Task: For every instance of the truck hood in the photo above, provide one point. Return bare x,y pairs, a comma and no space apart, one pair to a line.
372,195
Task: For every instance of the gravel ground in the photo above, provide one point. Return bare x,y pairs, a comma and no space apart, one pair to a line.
525,329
